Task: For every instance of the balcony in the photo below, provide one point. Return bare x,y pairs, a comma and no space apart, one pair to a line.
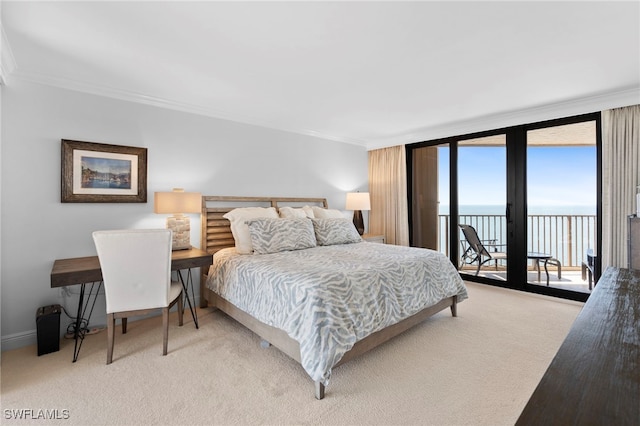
566,238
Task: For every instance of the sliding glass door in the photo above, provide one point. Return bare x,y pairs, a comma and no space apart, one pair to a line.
562,206
430,195
482,204
516,207
462,214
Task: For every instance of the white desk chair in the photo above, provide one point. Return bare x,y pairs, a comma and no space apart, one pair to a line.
136,271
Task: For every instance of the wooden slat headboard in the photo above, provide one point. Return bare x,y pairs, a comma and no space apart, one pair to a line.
216,230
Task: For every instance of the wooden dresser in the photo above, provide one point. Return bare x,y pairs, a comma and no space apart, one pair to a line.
594,378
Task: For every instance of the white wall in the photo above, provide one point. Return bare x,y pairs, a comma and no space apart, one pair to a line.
214,157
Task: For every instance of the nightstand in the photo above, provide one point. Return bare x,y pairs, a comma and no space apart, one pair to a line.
372,238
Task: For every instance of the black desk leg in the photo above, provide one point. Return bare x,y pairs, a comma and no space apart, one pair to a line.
185,287
80,331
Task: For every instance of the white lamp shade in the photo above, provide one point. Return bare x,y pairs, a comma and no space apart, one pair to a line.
177,202
358,201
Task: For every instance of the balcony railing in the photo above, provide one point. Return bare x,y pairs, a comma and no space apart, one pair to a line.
565,237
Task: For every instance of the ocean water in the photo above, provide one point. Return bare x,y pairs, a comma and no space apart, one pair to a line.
532,210
545,234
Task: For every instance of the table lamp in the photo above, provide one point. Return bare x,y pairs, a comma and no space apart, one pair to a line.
358,201
177,203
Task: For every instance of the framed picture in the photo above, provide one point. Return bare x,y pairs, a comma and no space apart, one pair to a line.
101,173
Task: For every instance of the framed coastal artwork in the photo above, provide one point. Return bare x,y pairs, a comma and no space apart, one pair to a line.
102,173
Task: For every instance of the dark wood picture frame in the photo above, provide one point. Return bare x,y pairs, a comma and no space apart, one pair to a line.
129,187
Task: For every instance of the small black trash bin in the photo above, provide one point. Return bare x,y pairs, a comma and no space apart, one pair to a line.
48,328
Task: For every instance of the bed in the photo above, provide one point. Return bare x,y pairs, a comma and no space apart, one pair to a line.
311,287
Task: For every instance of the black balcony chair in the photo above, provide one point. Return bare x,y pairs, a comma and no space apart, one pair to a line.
588,267
477,249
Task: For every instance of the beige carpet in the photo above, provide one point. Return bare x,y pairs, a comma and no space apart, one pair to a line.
477,369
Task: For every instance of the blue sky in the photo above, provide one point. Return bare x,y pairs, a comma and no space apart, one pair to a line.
106,165
556,176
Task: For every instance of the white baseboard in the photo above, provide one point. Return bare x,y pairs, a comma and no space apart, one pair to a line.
30,337
19,340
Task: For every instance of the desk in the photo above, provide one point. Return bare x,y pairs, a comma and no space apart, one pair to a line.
537,257
83,270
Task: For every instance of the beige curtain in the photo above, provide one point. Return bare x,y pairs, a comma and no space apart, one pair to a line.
388,191
620,176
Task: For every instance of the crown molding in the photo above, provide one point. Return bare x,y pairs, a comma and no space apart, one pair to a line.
599,102
130,96
587,104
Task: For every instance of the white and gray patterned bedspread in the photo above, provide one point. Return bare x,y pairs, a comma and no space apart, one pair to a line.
329,297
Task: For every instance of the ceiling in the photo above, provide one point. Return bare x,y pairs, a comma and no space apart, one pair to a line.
369,73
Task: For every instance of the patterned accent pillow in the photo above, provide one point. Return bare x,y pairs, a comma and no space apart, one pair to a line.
335,231
239,217
285,234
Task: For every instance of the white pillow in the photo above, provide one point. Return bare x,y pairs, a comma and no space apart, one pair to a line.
239,217
321,213
309,211
291,213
